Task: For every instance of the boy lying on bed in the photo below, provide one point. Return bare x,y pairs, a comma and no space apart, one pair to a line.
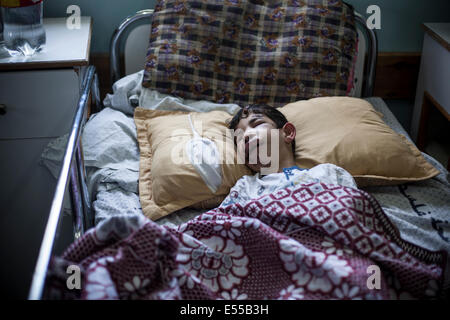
266,141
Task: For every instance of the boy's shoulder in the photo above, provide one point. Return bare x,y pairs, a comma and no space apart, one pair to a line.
248,178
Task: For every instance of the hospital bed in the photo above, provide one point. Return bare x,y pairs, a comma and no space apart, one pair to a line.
132,34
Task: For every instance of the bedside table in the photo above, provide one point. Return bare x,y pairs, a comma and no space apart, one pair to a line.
40,96
432,104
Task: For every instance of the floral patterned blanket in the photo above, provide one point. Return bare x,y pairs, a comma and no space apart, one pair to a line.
312,241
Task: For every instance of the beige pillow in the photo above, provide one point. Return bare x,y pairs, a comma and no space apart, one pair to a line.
167,180
349,133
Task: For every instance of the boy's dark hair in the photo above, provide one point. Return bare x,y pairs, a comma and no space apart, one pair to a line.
264,109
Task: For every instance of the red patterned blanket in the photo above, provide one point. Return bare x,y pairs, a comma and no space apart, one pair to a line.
311,241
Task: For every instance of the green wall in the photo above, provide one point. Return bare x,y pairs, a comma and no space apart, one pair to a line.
400,19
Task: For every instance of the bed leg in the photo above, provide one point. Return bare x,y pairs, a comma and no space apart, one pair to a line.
96,94
88,218
77,206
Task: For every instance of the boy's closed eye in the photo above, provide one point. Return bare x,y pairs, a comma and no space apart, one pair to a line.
256,121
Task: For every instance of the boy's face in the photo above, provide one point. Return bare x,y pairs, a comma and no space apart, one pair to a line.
257,138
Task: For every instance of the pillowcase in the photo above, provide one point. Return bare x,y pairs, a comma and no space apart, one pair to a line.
251,51
169,179
349,133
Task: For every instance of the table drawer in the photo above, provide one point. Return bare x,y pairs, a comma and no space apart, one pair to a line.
38,103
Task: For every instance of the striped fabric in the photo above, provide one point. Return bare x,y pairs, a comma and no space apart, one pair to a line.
251,51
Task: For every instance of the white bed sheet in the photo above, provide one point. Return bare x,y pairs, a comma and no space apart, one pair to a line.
421,211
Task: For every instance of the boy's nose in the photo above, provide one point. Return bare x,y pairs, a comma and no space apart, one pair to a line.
249,134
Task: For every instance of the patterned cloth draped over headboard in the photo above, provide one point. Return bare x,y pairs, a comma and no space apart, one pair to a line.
251,51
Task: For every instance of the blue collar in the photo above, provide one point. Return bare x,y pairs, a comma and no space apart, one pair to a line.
289,171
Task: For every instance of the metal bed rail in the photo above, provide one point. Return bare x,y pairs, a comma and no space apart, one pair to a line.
372,55
72,175
129,22
115,63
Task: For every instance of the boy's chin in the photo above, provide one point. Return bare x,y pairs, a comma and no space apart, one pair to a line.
264,169
254,167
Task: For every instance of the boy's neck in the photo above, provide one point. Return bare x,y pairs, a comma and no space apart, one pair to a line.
283,164
286,163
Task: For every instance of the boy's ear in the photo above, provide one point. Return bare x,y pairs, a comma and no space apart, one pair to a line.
289,132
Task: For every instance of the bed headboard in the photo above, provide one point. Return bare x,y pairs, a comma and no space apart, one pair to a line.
135,31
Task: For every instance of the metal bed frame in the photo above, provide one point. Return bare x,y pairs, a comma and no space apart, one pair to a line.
73,175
